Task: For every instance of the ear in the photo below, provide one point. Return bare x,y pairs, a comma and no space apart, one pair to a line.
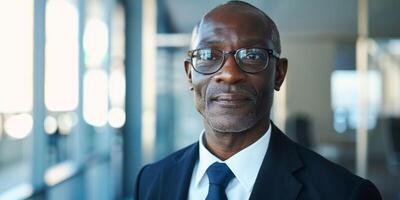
280,73
188,71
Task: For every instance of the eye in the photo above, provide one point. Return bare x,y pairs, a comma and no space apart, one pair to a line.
207,55
252,56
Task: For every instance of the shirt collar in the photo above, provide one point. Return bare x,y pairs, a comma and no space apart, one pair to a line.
238,163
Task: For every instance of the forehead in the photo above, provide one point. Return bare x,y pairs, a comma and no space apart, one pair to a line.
233,25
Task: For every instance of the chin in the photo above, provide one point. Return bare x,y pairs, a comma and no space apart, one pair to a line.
231,124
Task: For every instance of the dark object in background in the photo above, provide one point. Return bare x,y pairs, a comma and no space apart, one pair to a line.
299,128
392,136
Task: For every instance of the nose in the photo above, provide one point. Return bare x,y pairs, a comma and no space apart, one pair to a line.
230,73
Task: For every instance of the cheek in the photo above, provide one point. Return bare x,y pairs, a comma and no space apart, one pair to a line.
267,97
198,98
199,92
265,89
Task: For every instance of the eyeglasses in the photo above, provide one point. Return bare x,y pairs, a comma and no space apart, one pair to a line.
251,60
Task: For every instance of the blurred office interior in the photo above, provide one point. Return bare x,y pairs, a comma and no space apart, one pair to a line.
91,90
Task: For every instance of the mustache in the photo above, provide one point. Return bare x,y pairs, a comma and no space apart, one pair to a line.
214,90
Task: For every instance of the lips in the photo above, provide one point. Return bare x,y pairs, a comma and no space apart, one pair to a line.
231,99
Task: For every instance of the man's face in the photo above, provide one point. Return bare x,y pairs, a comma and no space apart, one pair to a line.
232,100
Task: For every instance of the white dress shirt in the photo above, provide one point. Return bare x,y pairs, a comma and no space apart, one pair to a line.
245,166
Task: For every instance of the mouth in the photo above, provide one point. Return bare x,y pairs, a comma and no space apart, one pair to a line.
231,100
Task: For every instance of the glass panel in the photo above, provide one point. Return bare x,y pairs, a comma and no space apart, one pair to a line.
178,122
16,51
384,138
116,114
95,42
61,77
62,59
16,80
95,102
96,49
344,84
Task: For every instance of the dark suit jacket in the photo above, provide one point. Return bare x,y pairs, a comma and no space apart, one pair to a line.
289,171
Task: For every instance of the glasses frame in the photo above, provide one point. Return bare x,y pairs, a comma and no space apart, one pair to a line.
234,53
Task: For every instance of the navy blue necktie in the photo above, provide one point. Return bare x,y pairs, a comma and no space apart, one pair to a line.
219,176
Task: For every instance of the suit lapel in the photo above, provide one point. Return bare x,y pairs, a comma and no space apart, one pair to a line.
175,180
275,179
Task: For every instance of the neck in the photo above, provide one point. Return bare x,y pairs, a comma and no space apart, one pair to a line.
224,145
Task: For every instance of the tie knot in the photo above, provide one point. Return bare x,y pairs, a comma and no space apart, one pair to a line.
219,174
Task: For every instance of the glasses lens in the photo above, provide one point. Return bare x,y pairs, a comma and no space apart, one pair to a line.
252,60
206,60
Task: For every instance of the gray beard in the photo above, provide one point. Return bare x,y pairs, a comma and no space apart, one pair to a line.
235,125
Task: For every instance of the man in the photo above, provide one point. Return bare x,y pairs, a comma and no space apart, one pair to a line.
233,69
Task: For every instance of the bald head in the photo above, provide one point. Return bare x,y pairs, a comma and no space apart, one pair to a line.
258,18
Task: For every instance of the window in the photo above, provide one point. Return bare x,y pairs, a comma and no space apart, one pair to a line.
61,77
344,84
16,65
96,47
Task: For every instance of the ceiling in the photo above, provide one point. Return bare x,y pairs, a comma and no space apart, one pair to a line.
326,18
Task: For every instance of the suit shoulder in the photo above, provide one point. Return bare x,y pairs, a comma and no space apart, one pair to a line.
327,176
150,172
171,159
149,176
320,167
